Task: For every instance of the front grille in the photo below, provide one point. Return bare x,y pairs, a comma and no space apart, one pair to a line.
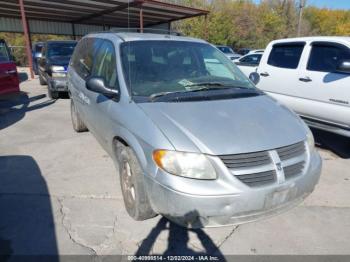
294,170
291,151
258,179
247,160
257,169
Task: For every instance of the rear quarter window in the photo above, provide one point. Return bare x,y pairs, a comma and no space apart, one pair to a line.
286,55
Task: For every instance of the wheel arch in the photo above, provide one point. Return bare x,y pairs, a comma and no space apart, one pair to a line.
129,140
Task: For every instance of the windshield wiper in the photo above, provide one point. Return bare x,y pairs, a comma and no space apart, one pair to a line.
203,87
205,84
156,95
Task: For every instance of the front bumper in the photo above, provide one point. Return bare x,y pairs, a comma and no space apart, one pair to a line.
218,210
58,84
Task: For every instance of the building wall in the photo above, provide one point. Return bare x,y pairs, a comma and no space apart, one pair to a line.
54,28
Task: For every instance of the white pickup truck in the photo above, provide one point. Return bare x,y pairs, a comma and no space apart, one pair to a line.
310,75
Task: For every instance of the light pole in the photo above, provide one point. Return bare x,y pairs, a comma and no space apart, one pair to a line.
301,6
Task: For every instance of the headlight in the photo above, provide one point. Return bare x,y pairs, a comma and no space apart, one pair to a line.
310,139
191,165
57,68
59,74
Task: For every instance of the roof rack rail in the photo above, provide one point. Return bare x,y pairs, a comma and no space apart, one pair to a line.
144,30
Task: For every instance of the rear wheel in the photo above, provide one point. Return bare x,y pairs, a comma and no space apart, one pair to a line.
78,124
132,184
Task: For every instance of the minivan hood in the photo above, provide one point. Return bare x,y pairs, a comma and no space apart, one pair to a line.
230,126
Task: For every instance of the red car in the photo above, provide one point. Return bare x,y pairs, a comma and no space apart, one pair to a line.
9,80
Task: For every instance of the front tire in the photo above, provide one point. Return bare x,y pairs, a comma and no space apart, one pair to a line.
132,184
52,94
78,124
41,80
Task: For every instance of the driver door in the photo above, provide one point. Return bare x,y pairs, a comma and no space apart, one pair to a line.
104,66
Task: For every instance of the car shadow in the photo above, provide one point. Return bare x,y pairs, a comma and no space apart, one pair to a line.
337,144
178,241
13,107
27,226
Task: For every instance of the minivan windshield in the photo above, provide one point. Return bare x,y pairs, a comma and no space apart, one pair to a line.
4,54
154,68
60,49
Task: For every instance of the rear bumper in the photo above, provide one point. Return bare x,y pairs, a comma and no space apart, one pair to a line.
58,84
220,210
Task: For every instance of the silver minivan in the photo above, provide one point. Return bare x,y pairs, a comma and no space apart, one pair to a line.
192,137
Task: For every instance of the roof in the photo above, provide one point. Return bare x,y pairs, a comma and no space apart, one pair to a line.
314,38
127,37
117,13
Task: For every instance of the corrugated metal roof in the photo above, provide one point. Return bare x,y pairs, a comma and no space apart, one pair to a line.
120,13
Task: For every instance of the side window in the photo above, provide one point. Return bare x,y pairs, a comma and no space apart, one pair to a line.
286,55
105,64
83,57
251,59
325,57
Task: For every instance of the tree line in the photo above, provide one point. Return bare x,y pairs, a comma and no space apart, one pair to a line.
243,23
238,23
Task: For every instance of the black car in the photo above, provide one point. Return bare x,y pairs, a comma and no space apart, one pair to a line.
244,51
36,54
53,66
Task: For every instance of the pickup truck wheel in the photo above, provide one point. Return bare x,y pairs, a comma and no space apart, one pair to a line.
78,124
132,184
41,80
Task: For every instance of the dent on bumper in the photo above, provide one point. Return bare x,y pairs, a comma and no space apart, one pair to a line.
212,211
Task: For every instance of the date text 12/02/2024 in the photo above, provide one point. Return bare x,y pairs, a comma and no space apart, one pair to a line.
173,258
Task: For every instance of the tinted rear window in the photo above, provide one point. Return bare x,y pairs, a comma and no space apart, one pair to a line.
286,55
38,48
60,49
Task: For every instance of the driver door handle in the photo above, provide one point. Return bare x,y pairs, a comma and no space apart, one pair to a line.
264,74
9,72
305,79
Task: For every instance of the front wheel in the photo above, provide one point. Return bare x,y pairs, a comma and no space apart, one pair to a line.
52,94
132,184
41,80
78,124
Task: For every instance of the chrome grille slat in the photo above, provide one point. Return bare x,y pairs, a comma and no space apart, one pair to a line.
294,170
257,169
258,178
246,160
291,151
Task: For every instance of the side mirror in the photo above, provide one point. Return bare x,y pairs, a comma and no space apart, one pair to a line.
254,77
344,67
97,85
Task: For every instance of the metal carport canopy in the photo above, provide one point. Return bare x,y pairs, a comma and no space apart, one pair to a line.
107,13
68,15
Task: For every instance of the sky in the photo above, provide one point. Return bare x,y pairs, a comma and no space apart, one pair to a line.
333,4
